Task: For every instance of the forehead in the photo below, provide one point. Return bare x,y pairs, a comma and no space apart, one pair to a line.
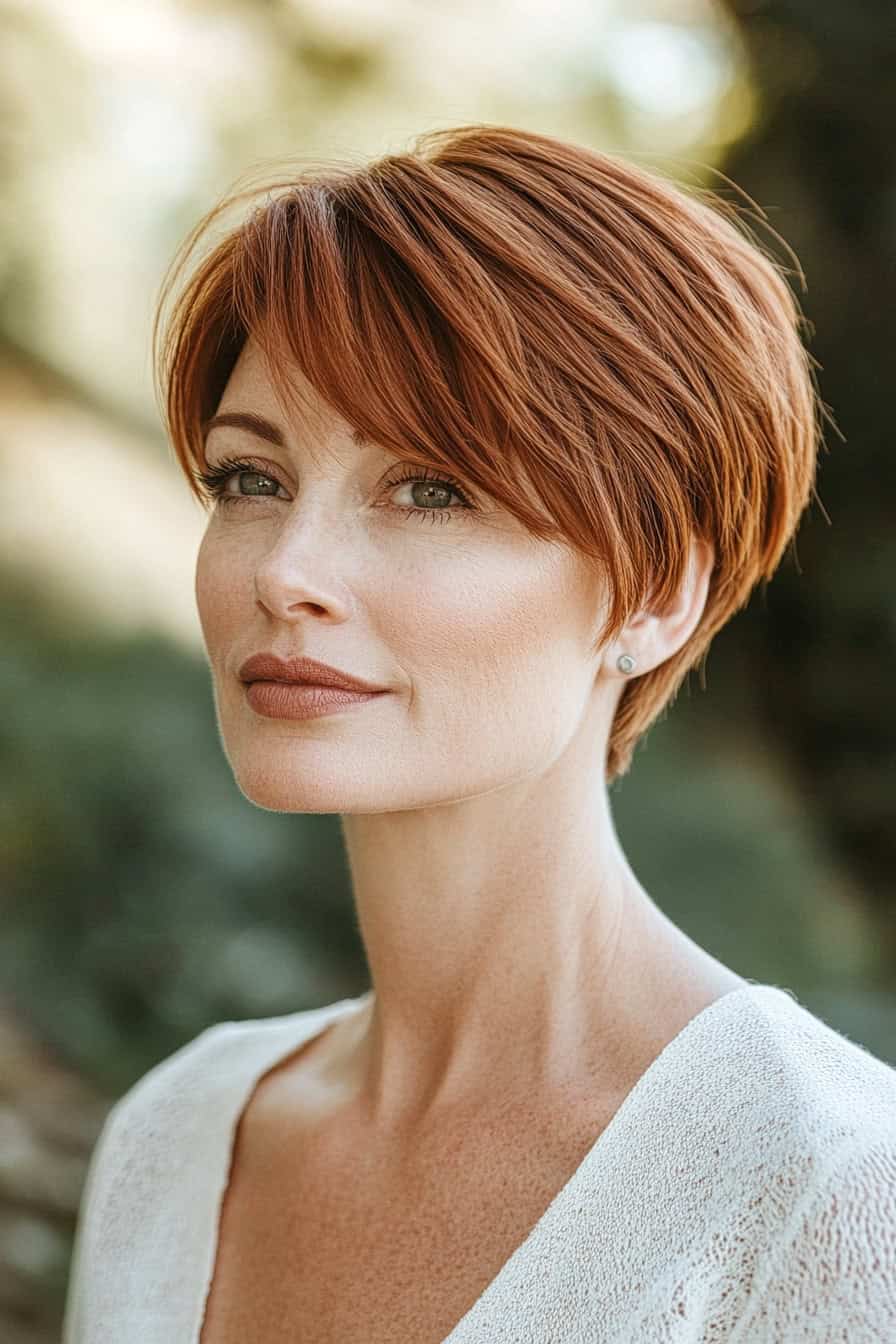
250,397
251,379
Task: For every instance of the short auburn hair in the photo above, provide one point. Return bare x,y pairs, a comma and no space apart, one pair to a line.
603,352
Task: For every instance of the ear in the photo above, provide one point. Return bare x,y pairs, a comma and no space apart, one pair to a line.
652,635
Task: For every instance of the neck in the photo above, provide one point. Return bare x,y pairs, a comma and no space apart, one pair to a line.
511,947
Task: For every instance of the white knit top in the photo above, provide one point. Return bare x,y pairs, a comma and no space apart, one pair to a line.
744,1191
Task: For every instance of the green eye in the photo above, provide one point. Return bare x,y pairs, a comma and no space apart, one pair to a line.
446,484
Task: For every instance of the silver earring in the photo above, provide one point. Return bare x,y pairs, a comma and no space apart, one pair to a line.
625,662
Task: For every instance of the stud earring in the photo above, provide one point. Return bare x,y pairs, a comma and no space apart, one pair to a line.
625,662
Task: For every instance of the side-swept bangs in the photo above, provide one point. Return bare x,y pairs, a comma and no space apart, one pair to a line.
609,356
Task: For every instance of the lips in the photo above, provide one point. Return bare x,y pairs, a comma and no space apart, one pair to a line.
310,672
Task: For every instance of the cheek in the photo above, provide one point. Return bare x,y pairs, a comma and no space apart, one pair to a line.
499,625
218,588
204,588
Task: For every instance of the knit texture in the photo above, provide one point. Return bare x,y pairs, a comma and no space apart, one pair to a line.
745,1191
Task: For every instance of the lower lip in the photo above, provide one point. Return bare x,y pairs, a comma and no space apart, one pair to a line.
295,700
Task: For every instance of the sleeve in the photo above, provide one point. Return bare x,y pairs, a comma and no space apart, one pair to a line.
116,1157
832,1277
73,1323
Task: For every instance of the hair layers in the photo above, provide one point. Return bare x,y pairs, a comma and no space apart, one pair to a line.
603,352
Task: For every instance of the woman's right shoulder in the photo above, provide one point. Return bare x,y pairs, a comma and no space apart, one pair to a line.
126,1166
173,1071
161,1145
204,1074
152,1106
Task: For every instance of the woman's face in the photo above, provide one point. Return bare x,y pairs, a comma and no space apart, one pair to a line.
481,632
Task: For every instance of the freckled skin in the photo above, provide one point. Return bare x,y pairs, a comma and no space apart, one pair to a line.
524,979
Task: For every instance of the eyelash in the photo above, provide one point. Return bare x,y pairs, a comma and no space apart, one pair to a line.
214,479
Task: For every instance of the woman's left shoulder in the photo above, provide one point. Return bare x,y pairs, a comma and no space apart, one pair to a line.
831,1274
818,1073
826,1269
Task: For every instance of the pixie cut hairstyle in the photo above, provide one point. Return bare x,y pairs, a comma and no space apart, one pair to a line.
607,355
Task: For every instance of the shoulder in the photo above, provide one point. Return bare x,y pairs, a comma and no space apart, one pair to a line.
162,1146
813,1080
161,1089
160,1097
178,1081
831,1273
114,1179
820,1170
768,1092
187,1088
169,1072
803,1100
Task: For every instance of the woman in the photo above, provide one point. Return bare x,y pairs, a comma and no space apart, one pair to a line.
553,1116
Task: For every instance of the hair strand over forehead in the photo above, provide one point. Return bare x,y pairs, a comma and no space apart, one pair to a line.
608,355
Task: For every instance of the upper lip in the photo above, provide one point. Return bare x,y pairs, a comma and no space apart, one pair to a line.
269,667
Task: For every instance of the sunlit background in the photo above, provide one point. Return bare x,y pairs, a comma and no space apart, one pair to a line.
143,897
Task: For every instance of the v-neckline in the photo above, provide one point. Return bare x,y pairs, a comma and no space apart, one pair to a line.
325,1017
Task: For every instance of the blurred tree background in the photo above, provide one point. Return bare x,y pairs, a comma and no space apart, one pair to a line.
143,896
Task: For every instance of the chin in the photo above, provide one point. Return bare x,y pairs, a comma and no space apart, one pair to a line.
291,786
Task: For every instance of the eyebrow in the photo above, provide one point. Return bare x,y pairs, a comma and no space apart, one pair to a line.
261,428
